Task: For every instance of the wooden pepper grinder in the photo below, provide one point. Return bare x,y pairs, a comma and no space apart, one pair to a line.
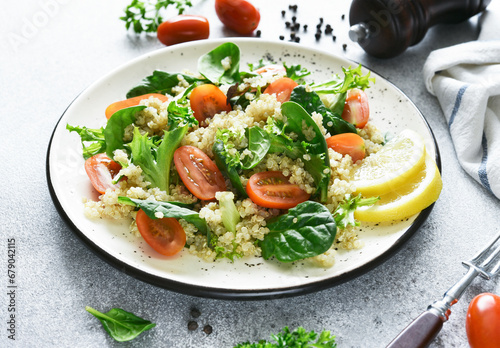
386,28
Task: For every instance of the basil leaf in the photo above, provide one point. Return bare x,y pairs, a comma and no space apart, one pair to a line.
259,143
121,325
159,82
307,230
115,128
210,64
168,210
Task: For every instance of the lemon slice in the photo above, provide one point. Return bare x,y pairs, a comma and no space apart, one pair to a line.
392,166
408,199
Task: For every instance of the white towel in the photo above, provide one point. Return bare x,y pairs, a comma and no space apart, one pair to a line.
466,80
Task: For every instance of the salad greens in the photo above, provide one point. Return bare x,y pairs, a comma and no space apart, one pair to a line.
307,230
121,325
298,338
145,16
211,67
160,82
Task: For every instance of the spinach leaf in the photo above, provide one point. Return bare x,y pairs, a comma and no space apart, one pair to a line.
115,128
155,159
210,64
307,230
259,143
168,210
228,164
121,325
318,161
310,101
94,136
160,82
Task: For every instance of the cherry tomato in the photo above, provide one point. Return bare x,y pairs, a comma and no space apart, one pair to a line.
165,235
483,321
206,101
198,172
238,15
101,170
348,144
273,190
356,109
183,28
271,69
282,87
122,104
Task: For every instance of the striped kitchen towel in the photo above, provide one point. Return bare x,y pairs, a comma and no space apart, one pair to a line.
466,80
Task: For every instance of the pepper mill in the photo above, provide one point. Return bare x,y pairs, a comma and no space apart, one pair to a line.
386,28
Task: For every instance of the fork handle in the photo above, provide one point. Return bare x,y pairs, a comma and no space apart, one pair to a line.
419,333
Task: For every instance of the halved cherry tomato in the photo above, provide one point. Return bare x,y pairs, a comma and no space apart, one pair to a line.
356,109
483,321
238,15
273,190
348,144
101,170
122,104
165,235
198,172
271,69
282,87
206,101
183,28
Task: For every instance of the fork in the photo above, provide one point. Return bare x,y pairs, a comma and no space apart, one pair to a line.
422,331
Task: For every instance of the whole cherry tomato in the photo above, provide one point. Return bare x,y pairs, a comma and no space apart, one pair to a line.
238,15
483,321
183,28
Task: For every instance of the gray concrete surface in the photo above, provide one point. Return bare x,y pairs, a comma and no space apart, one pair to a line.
52,49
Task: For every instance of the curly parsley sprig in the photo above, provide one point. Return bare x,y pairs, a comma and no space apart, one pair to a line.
298,338
145,16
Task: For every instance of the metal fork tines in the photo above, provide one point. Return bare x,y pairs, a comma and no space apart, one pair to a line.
485,262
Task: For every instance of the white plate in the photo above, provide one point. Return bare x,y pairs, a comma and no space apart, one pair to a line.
246,278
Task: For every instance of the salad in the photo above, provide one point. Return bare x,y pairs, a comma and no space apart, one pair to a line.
230,162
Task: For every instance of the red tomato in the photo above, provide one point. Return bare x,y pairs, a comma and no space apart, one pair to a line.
122,104
238,15
483,321
206,101
165,235
198,172
101,170
272,69
282,87
348,144
356,109
183,28
273,190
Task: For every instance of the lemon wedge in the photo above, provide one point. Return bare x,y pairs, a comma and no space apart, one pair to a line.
395,164
408,199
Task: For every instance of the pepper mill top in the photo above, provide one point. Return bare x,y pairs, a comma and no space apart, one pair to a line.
386,28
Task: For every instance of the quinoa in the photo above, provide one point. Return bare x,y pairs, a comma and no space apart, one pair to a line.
252,226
